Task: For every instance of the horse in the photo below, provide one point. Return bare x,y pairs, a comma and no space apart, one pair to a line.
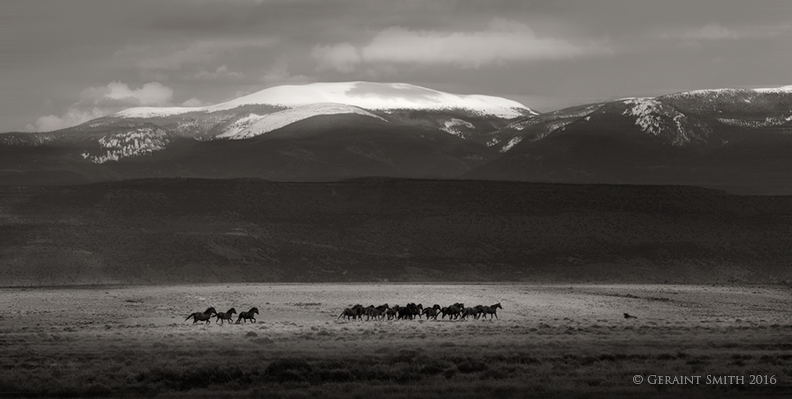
205,316
374,313
430,312
355,312
491,310
410,311
474,311
248,315
347,313
452,311
225,316
391,313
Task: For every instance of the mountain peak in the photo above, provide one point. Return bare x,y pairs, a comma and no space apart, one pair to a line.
366,95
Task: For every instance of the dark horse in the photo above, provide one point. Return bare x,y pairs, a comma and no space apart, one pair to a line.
492,310
205,316
248,315
225,316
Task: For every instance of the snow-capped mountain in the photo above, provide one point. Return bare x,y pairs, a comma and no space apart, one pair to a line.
731,138
331,131
296,127
467,116
366,95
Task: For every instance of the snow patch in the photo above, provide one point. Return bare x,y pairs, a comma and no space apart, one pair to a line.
658,119
240,125
133,143
513,142
782,89
452,124
754,124
254,125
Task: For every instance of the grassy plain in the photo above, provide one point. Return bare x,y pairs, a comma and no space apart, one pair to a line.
549,341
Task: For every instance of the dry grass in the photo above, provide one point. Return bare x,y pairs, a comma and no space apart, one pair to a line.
550,340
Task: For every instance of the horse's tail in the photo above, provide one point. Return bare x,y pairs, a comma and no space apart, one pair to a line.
188,317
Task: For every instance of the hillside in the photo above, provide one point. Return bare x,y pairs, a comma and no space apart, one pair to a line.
191,230
736,140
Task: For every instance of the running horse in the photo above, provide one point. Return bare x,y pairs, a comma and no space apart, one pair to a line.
205,316
248,315
491,310
225,316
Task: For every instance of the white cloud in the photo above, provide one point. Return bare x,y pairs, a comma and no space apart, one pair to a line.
96,102
152,93
74,116
503,41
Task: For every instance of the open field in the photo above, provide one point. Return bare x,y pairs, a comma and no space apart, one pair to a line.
550,340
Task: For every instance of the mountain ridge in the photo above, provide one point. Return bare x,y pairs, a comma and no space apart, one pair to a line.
735,138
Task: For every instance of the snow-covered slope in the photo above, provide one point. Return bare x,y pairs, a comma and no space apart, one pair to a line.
783,89
659,119
254,125
366,95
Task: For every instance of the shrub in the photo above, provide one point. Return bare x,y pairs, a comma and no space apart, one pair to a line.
289,369
471,366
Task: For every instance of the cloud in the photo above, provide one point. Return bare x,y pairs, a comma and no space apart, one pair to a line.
193,102
197,58
120,94
279,74
712,31
222,72
503,41
342,57
716,32
96,102
74,116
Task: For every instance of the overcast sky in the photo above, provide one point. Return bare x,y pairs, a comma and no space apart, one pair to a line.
63,62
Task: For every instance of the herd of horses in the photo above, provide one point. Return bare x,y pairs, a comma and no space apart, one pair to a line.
206,316
457,311
411,311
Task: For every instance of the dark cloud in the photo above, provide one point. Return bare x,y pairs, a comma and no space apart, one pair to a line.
553,52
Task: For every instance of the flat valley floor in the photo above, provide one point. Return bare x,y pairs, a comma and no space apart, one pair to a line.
548,341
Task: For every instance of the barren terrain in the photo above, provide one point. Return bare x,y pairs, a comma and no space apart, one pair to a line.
549,340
